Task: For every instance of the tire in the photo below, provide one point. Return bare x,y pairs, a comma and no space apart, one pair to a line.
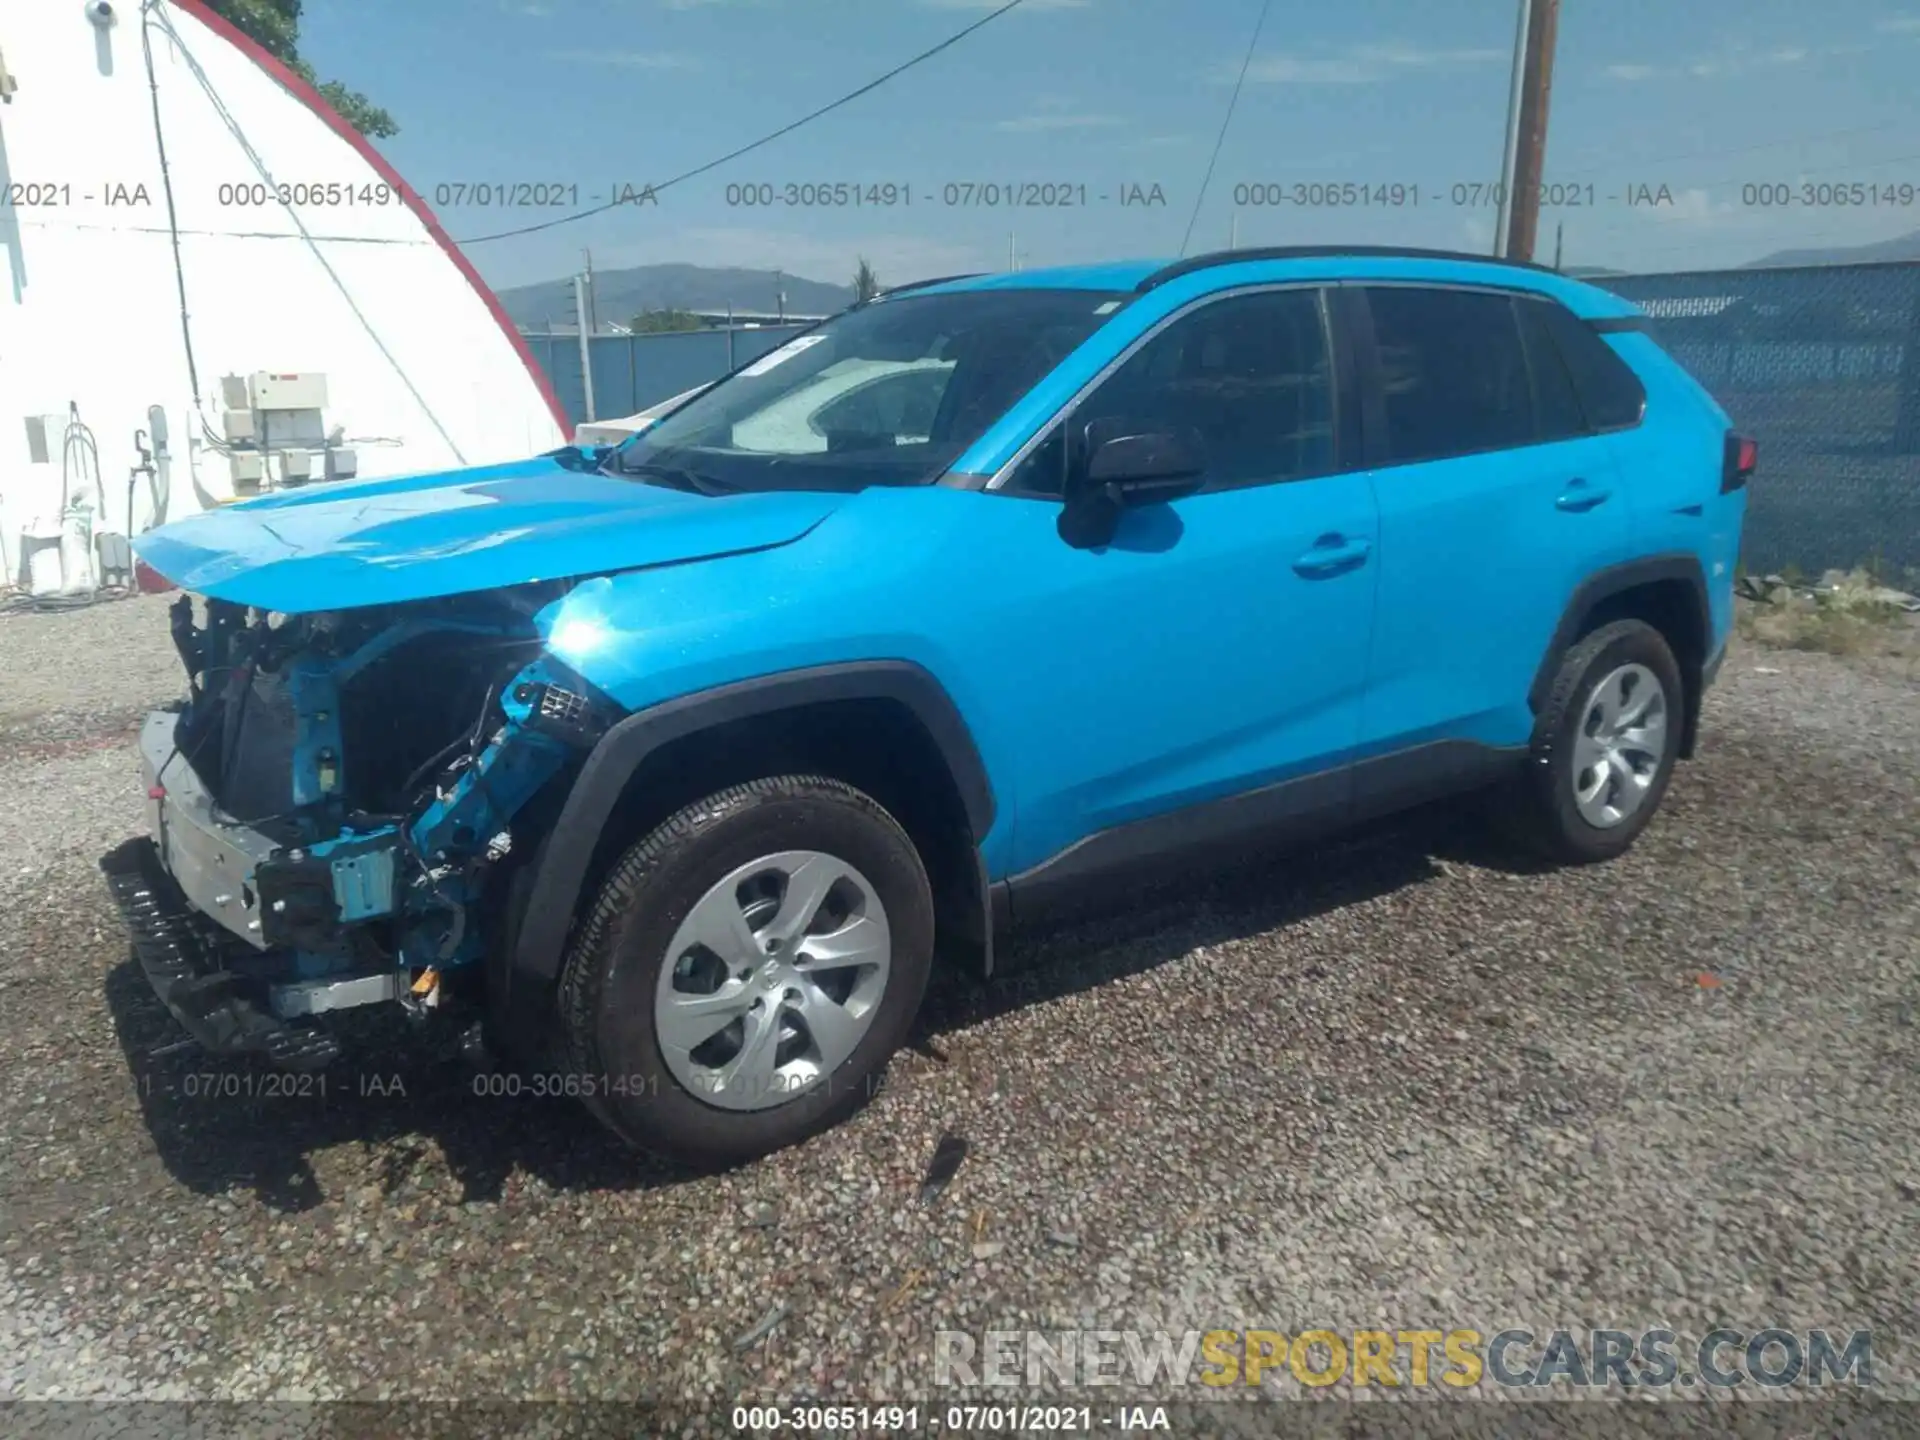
1544,810
623,996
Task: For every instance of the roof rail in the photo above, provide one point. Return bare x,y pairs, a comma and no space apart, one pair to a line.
923,284
1316,252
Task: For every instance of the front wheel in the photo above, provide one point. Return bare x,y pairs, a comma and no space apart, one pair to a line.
747,969
1604,746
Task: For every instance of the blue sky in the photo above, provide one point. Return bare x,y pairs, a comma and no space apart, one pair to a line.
1705,97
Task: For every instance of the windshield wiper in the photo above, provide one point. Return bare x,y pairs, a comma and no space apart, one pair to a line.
679,477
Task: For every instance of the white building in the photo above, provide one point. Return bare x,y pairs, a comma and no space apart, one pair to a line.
177,208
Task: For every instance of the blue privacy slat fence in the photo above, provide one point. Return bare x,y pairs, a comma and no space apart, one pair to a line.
1820,365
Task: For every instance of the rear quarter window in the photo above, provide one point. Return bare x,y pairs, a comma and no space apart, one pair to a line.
1610,393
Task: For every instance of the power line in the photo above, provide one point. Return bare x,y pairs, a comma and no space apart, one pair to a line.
767,139
1225,121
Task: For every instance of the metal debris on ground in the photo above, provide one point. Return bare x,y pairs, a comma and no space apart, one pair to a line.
947,1156
765,1328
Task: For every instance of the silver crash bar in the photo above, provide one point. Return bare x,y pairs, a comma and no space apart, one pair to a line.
211,860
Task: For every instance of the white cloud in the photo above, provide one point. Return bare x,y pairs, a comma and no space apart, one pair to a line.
625,59
1693,206
1732,61
1358,65
1293,70
996,4
1056,120
1413,55
1899,25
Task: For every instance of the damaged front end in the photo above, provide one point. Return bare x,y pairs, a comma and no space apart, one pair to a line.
330,807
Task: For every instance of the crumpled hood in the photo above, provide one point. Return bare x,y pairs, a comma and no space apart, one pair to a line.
383,542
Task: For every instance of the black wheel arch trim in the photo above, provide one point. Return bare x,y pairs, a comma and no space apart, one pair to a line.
561,871
1602,586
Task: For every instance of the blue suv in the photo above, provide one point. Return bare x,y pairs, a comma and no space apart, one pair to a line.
667,769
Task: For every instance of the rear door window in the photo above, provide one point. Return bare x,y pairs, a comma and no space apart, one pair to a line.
1453,372
1558,414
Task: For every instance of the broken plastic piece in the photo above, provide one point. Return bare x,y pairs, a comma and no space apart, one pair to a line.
947,1156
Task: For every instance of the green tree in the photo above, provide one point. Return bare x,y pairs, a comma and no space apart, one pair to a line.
665,322
866,284
275,26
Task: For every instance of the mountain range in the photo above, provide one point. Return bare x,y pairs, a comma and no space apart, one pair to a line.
619,295
1901,247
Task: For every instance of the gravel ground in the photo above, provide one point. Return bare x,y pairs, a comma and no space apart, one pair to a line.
1395,1083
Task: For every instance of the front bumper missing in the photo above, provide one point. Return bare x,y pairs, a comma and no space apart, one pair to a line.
245,881
212,861
181,953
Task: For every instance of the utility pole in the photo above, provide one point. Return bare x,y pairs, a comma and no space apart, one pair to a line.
1013,263
586,345
593,300
779,298
1510,139
1530,154
1559,237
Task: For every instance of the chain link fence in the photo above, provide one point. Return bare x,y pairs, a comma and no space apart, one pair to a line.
631,372
1822,367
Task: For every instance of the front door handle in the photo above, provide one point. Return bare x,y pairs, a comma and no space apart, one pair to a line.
1332,555
1579,497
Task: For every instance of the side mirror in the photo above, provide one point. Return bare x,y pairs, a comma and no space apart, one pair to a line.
1145,469
1124,471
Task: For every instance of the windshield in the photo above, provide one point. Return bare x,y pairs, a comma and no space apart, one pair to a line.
890,393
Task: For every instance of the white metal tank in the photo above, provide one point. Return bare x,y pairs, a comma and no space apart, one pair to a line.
76,551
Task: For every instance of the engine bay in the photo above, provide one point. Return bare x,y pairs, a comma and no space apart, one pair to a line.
363,768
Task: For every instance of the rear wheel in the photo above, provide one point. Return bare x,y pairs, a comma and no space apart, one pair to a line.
747,969
1604,747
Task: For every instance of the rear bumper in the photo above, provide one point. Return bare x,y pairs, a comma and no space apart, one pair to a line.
181,952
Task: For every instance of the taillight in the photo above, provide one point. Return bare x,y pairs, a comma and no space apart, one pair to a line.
1742,457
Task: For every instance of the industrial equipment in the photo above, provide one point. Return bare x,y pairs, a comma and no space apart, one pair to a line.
273,429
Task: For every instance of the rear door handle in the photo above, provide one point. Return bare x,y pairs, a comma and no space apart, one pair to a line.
1579,496
1332,555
